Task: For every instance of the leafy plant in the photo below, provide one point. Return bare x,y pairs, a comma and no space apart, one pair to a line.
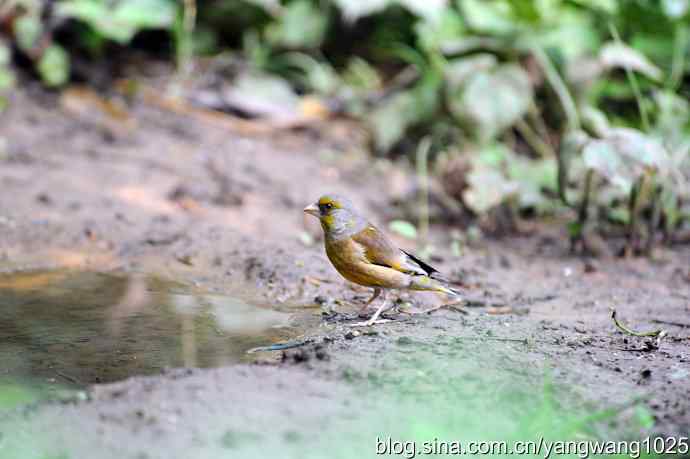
121,20
559,105
116,21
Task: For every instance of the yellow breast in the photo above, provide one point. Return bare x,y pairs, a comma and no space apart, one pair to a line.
348,259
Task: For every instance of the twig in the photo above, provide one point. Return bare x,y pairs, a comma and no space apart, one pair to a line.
505,340
668,322
454,306
660,333
282,346
69,378
370,322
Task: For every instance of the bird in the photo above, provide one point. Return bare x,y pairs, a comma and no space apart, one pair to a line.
364,255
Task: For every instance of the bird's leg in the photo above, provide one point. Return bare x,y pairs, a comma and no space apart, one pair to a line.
375,318
362,312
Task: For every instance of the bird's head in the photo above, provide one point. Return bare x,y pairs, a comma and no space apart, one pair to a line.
337,215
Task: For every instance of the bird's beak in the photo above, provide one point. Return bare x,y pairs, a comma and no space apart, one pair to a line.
312,209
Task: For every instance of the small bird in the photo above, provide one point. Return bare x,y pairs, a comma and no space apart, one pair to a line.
362,254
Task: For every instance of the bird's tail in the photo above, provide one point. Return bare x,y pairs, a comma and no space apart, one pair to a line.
434,285
450,291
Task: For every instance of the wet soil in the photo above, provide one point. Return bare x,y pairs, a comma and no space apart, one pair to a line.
218,211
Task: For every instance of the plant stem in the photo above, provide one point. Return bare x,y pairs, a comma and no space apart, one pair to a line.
559,87
632,209
678,63
654,218
423,180
542,148
569,108
186,45
633,83
583,211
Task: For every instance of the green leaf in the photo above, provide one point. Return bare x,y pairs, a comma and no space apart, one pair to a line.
595,120
493,101
27,31
355,9
7,79
360,75
672,117
5,54
675,9
574,34
54,66
624,155
619,55
403,228
430,10
603,158
146,14
487,188
442,33
318,76
459,70
300,25
533,176
492,18
269,6
390,119
121,22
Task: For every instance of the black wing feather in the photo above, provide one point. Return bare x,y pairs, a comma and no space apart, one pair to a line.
429,269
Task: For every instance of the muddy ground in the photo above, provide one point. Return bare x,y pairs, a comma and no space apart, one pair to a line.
220,210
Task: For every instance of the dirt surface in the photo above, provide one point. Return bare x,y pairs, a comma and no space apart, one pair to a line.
181,198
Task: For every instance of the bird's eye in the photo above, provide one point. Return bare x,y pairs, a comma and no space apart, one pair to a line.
325,207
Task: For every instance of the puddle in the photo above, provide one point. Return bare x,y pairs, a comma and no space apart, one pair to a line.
80,328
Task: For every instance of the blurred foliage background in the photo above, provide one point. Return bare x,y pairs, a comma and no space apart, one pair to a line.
519,107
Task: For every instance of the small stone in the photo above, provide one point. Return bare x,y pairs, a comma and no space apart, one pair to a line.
352,334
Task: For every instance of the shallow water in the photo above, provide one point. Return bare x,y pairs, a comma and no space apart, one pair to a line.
80,328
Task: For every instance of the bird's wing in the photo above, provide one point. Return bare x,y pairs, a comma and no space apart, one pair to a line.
379,250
